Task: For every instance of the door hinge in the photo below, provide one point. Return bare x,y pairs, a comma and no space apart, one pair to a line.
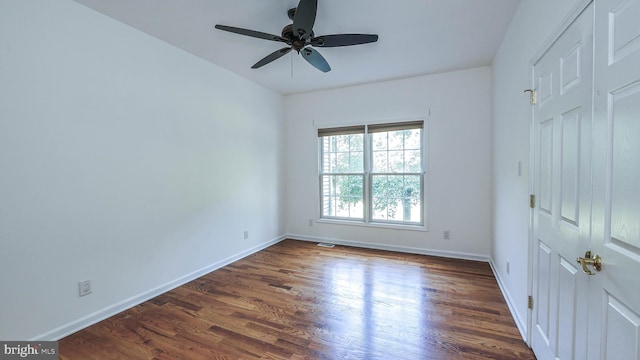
530,302
532,201
532,96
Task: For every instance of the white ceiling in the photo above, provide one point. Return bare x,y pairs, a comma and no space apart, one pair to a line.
416,37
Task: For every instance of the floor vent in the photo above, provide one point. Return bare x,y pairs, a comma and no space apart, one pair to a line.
327,245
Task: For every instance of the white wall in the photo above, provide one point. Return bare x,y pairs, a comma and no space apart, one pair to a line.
123,160
458,152
530,28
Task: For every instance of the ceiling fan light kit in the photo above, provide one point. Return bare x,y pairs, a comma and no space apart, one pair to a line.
299,36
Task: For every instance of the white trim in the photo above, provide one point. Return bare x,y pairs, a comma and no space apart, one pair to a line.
351,122
570,18
382,225
367,175
521,325
573,14
93,318
403,249
114,309
532,187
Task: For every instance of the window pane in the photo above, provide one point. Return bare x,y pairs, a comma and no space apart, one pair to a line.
343,154
396,161
396,198
397,151
342,163
342,196
332,141
356,161
379,141
356,142
412,161
396,140
331,162
342,142
380,163
412,139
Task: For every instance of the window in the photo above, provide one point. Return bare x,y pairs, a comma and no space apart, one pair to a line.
342,172
372,173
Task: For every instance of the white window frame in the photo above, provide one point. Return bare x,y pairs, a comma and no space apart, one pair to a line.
351,130
367,219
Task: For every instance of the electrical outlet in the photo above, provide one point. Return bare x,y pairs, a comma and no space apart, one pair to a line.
246,234
508,267
310,222
446,235
84,287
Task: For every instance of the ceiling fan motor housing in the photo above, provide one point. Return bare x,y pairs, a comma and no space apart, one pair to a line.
296,42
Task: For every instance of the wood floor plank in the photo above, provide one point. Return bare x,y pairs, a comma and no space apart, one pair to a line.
295,300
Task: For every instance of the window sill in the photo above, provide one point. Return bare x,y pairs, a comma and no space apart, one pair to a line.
373,224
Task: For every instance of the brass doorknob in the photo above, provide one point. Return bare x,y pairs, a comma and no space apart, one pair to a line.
588,260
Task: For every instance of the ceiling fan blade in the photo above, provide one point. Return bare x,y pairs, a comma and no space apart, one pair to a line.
314,58
343,40
304,18
271,57
252,33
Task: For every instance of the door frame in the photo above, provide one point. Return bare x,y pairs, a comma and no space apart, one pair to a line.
573,14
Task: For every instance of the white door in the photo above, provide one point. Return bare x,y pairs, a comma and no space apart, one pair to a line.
561,218
614,322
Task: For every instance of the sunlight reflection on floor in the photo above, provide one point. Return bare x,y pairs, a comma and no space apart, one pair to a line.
384,306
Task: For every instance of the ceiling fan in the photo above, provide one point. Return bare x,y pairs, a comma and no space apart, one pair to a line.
299,36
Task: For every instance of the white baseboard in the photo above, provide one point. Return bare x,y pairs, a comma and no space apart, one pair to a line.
114,309
405,249
521,325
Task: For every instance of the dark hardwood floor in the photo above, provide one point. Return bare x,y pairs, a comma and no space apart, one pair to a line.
296,300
